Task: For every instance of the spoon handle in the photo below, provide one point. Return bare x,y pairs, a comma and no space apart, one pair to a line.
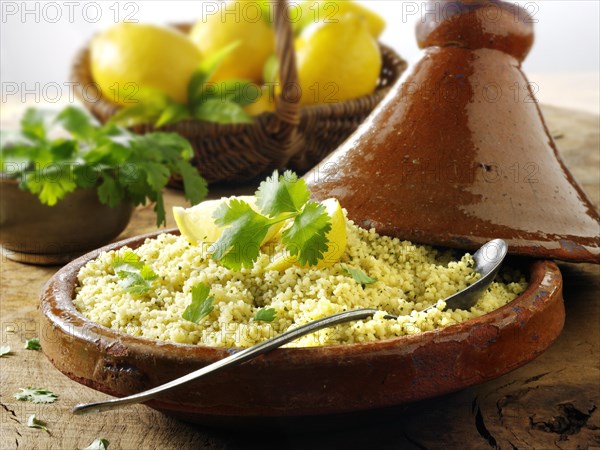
235,359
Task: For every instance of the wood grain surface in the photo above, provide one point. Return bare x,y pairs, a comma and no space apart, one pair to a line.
549,403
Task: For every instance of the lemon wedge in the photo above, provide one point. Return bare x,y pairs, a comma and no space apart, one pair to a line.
336,236
198,226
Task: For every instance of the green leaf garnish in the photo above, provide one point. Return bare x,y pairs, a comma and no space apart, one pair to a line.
134,273
33,344
359,276
265,315
4,350
306,238
77,122
33,422
280,198
36,395
34,124
280,194
239,245
98,444
202,304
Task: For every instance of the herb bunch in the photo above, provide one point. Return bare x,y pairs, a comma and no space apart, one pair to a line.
122,165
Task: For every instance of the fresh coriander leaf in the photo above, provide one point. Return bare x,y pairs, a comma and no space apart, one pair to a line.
195,187
34,124
33,422
265,315
159,209
50,189
221,111
4,350
359,276
98,444
63,150
36,395
33,344
157,175
165,147
306,238
77,122
239,245
108,191
282,193
202,304
135,275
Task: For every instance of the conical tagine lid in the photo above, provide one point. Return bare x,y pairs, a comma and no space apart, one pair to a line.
458,153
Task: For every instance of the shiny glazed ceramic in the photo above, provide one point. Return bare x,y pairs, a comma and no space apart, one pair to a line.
294,382
40,234
458,152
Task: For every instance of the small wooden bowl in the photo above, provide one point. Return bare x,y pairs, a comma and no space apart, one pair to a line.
294,382
34,233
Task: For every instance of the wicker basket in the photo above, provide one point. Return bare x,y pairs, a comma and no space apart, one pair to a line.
291,137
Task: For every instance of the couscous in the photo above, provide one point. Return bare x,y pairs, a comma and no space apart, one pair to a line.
404,279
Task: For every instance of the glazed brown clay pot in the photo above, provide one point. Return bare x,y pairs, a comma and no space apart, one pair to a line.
36,233
458,152
300,381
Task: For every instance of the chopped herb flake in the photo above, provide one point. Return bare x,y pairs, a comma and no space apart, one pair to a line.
265,315
33,344
36,395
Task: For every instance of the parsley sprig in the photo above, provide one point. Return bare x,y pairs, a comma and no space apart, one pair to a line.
279,198
122,166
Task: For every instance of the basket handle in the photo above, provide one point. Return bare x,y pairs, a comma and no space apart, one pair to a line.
285,121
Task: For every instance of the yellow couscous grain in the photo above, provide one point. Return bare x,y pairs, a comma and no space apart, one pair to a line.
409,278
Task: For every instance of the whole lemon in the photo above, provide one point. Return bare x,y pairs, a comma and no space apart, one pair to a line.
239,22
337,61
311,11
130,57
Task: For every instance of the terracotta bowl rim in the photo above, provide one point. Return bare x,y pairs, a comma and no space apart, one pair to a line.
82,328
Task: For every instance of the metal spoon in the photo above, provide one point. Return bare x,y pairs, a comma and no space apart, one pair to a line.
487,259
487,262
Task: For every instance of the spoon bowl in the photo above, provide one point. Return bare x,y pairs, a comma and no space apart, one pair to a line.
488,260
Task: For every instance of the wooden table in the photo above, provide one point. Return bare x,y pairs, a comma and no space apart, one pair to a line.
552,402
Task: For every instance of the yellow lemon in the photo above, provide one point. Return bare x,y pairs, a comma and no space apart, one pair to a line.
336,236
337,61
129,57
198,226
241,22
310,11
375,22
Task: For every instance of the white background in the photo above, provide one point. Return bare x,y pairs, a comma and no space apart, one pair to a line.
564,61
